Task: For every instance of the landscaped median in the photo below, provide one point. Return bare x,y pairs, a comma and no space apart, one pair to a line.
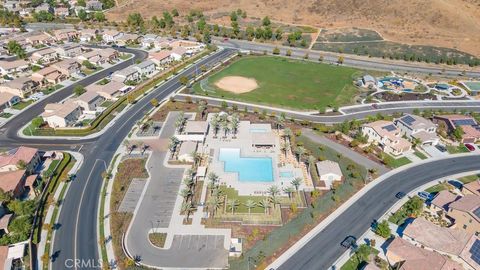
34,129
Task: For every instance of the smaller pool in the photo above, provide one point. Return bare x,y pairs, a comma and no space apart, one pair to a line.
286,174
258,130
407,90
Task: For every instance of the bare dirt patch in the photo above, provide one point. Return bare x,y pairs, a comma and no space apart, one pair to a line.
237,84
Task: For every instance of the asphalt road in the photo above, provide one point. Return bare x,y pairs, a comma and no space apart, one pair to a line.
324,249
349,60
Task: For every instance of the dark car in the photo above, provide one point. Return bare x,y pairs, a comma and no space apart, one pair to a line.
375,106
400,195
349,241
441,148
470,147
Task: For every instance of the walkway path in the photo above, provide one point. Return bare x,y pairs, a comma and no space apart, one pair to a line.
345,151
187,246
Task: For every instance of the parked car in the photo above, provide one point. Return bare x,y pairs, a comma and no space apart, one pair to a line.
375,106
470,147
400,195
456,183
424,195
441,148
349,241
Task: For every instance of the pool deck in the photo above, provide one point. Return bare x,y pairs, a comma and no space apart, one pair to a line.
243,141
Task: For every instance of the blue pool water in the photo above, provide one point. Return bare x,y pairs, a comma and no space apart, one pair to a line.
249,169
286,174
258,130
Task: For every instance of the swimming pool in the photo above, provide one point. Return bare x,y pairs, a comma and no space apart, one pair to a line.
249,169
286,174
258,130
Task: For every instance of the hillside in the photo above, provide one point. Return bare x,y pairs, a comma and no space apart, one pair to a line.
445,23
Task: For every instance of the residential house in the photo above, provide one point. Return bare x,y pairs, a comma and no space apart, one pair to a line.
146,68
110,36
417,128
10,160
21,87
59,115
403,255
44,57
148,40
187,151
44,7
69,50
329,173
162,43
453,242
472,188
442,200
66,35
12,256
13,182
89,101
39,39
87,35
127,39
13,67
161,58
48,75
190,47
386,135
62,12
110,90
128,74
109,54
471,130
68,67
13,6
466,213
94,5
178,53
4,222
92,57
7,100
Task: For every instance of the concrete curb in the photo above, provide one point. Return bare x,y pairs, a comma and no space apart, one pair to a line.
319,228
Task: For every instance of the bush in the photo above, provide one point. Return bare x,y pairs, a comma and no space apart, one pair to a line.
383,229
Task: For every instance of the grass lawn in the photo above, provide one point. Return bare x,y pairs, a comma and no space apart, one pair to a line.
395,162
353,263
232,193
5,115
22,104
420,155
106,103
288,83
468,179
457,149
437,188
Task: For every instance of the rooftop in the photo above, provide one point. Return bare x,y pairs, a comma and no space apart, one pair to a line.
328,166
10,179
444,198
60,109
416,122
196,127
13,156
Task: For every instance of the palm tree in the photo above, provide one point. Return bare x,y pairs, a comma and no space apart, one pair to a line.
274,201
128,145
233,204
297,182
273,191
173,144
214,203
281,120
250,204
215,124
188,182
287,134
310,160
234,122
265,204
201,108
300,151
185,193
187,207
289,190
180,121
225,127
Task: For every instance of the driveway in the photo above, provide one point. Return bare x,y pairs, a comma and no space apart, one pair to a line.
345,151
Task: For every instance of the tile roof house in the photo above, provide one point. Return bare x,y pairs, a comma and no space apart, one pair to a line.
472,188
466,213
44,56
39,39
48,75
89,101
69,50
161,58
87,35
386,135
402,255
66,34
329,172
7,100
448,241
13,182
68,67
416,127
12,67
11,257
146,68
468,124
177,53
94,5
62,12
21,87
59,115
111,35
10,160
442,200
127,74
109,91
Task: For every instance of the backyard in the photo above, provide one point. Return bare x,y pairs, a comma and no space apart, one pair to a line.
288,83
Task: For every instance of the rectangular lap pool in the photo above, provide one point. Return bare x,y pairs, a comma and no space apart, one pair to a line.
249,169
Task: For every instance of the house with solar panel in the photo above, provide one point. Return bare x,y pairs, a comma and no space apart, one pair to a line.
387,136
418,128
466,213
470,127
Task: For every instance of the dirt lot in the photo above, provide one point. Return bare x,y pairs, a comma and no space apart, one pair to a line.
453,24
237,84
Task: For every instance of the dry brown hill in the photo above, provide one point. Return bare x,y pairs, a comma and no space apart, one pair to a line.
446,23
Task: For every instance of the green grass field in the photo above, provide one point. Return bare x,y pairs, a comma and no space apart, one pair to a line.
288,83
22,104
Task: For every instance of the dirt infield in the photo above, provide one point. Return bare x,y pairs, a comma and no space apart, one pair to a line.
237,84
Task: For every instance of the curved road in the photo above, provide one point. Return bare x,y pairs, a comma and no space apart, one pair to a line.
324,249
77,236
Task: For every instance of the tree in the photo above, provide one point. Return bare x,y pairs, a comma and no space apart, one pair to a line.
37,122
207,39
233,16
43,16
187,208
82,15
87,64
288,53
81,3
297,182
299,151
183,80
340,60
383,229
13,47
289,190
135,20
266,21
273,191
185,193
250,204
175,12
276,50
214,203
21,164
154,102
265,204
99,16
78,90
278,34
458,133
362,253
233,204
